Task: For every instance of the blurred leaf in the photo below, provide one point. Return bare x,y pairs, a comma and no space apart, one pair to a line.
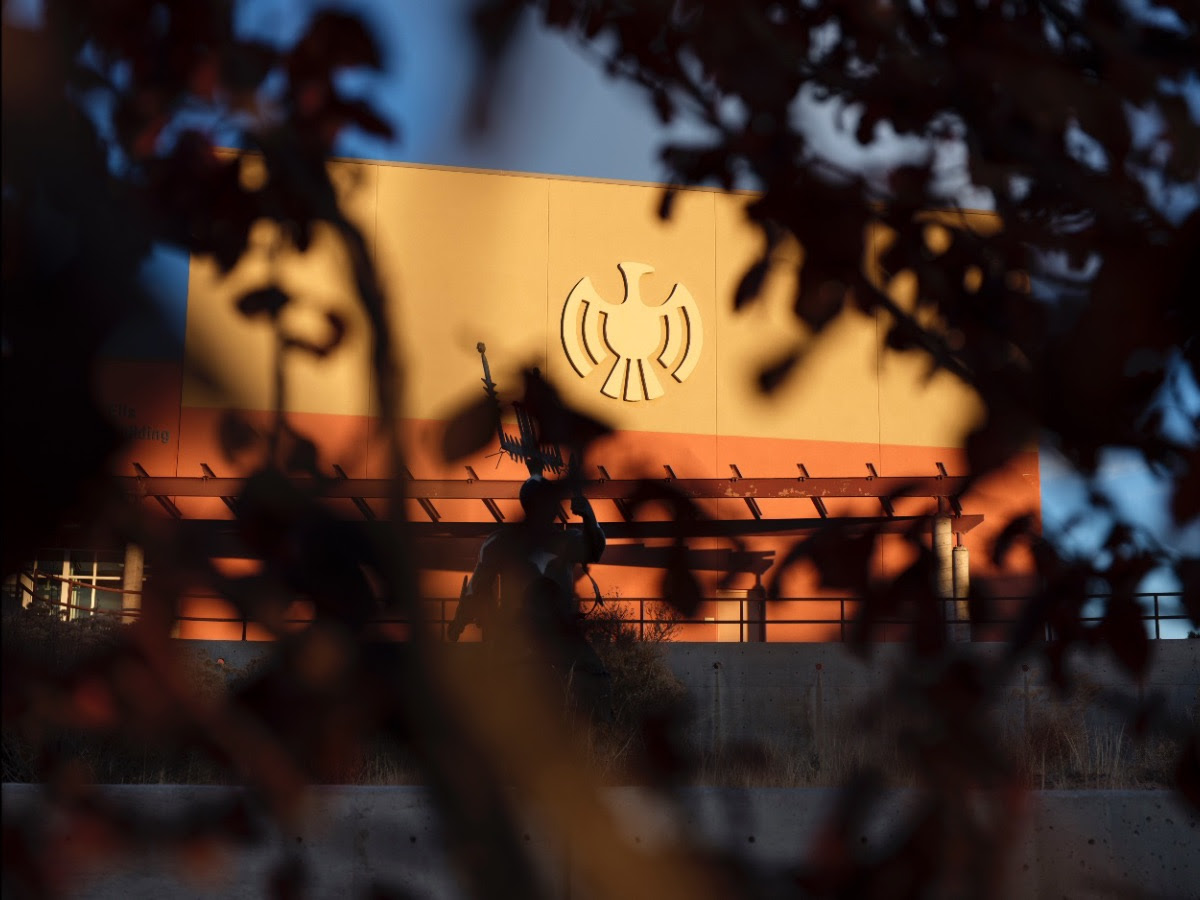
198,198
1016,529
334,40
843,561
751,285
1185,499
1006,431
820,297
1125,633
380,890
268,301
667,203
1188,570
245,65
663,106
776,373
286,880
359,114
495,25
235,434
1187,772
557,422
302,456
470,430
929,633
910,184
337,332
679,586
1120,537
910,590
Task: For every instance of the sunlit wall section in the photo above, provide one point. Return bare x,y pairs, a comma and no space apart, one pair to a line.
313,335
462,258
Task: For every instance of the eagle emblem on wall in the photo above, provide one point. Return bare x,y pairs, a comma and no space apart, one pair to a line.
634,334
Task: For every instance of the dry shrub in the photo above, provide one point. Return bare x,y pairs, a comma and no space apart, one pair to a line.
381,761
40,634
1056,744
1071,744
829,756
644,690
67,653
642,687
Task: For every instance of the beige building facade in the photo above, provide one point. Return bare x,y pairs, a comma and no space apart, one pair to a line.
629,315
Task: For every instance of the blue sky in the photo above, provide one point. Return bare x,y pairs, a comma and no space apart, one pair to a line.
558,113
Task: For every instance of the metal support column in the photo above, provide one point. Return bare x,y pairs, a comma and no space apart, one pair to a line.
943,565
133,576
962,589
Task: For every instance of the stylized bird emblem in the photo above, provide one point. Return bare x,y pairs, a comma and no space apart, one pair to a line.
634,333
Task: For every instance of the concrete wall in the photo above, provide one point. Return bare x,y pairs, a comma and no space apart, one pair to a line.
353,840
784,693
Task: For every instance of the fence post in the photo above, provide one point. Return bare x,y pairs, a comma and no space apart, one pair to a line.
1157,621
641,618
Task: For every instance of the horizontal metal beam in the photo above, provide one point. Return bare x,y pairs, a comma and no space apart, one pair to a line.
717,527
461,554
224,532
617,489
455,545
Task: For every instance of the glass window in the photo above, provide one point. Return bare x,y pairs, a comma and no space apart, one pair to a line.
109,601
83,600
76,581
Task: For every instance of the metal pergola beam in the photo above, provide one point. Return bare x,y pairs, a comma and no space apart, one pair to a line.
455,545
623,489
456,553
615,531
699,528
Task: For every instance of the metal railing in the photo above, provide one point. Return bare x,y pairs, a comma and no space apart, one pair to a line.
1153,605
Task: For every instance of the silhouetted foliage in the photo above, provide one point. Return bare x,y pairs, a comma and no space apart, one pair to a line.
1075,322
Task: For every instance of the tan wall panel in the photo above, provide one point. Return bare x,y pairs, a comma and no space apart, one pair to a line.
474,256
238,353
918,406
339,440
595,226
833,395
462,257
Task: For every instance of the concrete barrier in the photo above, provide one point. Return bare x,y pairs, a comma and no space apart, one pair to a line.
354,840
785,693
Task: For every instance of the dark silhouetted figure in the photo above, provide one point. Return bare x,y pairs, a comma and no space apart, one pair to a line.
523,589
